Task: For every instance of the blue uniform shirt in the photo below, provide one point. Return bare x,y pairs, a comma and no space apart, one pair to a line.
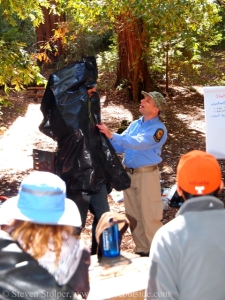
141,142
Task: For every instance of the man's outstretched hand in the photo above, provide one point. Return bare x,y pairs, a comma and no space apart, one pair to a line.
104,129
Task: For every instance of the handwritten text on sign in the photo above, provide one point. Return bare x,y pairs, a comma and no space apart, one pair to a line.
219,107
214,100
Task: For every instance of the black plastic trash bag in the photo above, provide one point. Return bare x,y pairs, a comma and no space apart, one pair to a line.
85,159
174,200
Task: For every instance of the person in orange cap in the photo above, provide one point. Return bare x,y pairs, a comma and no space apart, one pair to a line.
187,254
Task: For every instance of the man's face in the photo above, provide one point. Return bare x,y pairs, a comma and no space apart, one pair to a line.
91,91
148,107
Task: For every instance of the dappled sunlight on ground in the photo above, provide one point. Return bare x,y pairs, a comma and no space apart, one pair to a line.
193,121
117,113
22,136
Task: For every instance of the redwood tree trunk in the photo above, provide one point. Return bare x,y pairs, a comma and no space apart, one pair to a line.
167,68
132,68
45,34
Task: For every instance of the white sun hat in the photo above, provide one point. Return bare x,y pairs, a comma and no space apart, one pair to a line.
41,199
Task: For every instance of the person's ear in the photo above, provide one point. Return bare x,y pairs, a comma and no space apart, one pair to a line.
180,192
221,186
156,110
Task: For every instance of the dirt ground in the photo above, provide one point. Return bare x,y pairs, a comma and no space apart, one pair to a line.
19,135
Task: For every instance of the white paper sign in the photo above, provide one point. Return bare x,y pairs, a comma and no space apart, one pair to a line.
214,101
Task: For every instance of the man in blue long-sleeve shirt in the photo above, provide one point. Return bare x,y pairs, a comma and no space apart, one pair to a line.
142,144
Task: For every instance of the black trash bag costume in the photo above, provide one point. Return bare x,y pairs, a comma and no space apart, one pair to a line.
85,158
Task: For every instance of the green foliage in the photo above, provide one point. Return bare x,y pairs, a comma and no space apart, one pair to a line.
107,60
4,101
22,30
107,64
24,34
16,67
17,37
209,69
87,44
123,85
24,10
185,29
123,126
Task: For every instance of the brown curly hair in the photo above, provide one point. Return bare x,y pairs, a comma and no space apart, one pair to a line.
35,238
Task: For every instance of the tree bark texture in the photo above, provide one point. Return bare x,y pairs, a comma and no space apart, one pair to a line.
167,68
132,69
45,34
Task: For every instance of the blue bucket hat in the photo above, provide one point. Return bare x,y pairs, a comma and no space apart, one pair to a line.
41,199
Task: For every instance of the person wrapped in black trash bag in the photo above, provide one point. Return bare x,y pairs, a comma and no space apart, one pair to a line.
85,159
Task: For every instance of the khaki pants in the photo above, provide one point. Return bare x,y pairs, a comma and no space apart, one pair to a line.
144,208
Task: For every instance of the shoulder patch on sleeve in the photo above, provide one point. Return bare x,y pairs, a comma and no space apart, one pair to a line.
158,135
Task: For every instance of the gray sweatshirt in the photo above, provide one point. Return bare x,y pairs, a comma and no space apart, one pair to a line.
187,257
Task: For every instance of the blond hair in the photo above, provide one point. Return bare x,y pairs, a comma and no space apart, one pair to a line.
37,239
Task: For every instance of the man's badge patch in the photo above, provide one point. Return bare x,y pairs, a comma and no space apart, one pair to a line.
158,134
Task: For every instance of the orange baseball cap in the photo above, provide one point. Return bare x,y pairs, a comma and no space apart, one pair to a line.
198,173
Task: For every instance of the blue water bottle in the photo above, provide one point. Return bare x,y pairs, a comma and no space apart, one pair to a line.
111,240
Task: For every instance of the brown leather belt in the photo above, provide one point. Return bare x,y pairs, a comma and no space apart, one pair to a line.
141,170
